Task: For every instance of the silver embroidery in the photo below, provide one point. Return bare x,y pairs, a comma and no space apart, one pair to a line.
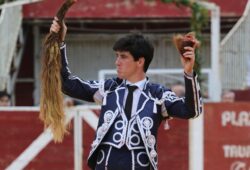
147,123
104,127
170,96
108,116
119,125
117,137
134,138
151,141
99,133
102,130
134,127
99,161
94,143
139,161
153,153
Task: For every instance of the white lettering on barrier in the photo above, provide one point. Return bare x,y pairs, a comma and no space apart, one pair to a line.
232,118
238,165
236,151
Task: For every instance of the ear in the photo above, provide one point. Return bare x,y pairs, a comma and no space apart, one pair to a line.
141,61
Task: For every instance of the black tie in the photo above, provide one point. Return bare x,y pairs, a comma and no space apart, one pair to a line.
129,101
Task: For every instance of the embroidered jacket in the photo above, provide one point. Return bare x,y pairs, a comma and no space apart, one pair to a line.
156,103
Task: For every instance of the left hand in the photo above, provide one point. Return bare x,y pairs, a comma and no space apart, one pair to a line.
188,60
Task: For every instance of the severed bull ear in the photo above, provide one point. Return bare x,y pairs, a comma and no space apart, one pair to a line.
188,40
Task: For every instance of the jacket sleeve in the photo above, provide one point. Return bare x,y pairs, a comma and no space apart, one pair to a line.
188,107
74,86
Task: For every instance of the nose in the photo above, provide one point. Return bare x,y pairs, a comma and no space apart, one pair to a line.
117,61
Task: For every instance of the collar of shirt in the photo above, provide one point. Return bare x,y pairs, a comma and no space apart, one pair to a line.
136,94
139,84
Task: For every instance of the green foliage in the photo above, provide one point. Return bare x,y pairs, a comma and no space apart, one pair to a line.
178,2
198,21
1,2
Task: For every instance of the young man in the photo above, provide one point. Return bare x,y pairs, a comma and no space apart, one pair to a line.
132,107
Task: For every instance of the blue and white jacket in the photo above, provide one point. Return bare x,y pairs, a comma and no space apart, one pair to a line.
156,103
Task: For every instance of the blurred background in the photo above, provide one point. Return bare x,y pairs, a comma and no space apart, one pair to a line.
218,140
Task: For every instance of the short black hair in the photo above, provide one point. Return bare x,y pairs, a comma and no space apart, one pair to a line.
4,93
138,47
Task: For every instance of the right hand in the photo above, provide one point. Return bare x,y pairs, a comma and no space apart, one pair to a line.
55,27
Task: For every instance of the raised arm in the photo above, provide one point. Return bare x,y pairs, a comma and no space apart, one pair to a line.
191,106
74,86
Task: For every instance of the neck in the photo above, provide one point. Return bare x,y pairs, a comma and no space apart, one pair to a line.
136,78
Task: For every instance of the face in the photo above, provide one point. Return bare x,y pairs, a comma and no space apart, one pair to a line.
4,101
228,97
127,68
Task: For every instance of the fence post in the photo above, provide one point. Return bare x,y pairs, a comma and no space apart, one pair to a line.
78,150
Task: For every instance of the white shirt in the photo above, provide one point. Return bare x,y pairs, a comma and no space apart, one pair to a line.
136,95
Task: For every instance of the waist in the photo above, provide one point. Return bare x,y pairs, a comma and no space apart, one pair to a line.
120,158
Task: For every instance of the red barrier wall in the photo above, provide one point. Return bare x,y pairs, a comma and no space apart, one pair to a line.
227,136
18,129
